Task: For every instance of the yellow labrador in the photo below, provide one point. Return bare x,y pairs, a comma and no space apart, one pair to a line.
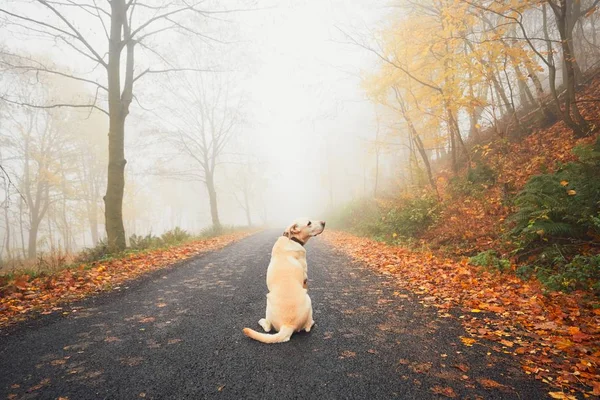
289,307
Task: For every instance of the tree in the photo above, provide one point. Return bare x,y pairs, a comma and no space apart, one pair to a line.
35,143
126,26
205,119
567,13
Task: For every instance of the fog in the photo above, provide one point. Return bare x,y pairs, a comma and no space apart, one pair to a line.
281,75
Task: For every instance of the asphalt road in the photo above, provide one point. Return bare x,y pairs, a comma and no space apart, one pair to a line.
177,334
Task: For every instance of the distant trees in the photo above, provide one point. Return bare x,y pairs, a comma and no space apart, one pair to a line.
104,37
205,119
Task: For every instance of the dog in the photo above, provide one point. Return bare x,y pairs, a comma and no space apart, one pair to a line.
289,308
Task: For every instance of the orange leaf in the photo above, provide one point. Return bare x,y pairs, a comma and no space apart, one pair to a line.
444,391
489,383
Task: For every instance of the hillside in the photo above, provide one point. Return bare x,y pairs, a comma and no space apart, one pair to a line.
473,222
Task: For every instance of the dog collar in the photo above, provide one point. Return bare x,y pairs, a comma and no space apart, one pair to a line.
300,242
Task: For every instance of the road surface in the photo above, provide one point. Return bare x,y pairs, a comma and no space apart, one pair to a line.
177,334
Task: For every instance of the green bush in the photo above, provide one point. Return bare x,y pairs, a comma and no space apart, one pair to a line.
490,259
175,236
481,174
137,242
412,216
403,219
582,272
213,231
563,206
556,214
477,180
96,253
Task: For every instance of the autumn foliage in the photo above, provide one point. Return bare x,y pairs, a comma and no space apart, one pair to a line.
556,337
21,295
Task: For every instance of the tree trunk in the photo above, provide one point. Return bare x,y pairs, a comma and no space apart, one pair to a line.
6,219
573,117
113,200
22,229
247,208
212,197
376,184
525,96
547,114
93,218
32,244
500,92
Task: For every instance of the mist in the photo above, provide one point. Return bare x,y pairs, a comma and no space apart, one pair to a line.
279,75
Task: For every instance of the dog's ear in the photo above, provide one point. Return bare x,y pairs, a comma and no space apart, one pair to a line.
291,230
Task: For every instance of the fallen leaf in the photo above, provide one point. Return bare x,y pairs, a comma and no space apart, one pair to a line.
347,354
561,396
468,341
489,383
444,391
461,367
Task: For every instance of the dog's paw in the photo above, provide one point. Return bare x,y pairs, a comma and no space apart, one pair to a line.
307,329
266,325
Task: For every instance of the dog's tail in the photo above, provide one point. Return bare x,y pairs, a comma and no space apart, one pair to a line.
283,335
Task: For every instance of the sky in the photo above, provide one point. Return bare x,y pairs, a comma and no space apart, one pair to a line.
306,97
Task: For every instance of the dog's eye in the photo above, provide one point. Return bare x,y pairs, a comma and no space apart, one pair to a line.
309,223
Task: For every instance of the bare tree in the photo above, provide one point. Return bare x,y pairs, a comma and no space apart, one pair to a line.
118,28
207,118
34,143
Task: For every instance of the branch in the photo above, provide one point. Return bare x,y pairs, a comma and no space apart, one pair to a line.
161,71
161,16
57,105
10,183
75,31
42,68
385,59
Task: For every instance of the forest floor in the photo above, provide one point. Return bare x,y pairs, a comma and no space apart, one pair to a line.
555,337
23,296
473,222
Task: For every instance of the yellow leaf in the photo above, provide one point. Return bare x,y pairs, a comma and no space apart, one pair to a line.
571,192
561,395
564,183
476,310
468,341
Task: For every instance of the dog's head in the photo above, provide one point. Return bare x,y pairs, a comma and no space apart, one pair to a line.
304,228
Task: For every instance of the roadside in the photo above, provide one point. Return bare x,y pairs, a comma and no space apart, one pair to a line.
23,296
556,336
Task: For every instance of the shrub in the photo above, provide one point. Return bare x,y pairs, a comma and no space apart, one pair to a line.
401,219
481,174
582,272
563,206
96,253
474,183
490,259
213,231
412,216
149,241
175,236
